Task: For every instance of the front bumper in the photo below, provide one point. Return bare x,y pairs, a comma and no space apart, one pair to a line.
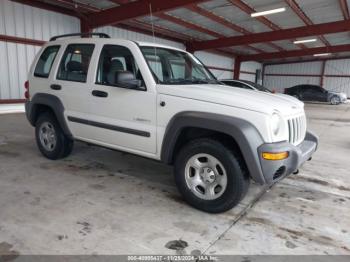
344,99
274,170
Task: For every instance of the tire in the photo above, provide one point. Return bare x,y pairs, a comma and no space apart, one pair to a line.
335,100
50,139
222,198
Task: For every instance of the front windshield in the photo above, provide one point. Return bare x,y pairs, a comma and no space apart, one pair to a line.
172,67
259,87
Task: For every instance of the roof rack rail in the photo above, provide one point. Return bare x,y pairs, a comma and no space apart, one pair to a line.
101,35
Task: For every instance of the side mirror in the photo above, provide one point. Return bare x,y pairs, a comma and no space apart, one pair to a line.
126,79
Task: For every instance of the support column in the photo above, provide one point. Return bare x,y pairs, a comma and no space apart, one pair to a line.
323,68
263,74
237,67
84,26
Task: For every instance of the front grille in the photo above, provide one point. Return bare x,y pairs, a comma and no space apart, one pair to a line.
297,129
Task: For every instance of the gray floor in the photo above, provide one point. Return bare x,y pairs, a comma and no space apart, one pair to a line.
99,201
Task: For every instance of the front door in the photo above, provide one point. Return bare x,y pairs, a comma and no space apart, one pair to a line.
123,118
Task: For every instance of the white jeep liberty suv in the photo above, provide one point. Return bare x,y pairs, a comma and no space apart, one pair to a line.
163,103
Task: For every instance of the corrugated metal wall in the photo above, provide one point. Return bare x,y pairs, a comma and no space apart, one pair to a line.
251,68
280,82
28,22
336,75
214,60
338,68
34,23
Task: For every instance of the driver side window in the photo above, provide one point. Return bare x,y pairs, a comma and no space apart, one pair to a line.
113,60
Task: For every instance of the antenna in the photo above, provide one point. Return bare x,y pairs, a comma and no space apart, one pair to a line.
152,23
153,34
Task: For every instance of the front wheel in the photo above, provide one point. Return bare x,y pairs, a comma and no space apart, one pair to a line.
210,176
335,100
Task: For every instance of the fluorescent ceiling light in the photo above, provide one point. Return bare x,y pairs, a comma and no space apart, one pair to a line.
324,54
305,41
268,12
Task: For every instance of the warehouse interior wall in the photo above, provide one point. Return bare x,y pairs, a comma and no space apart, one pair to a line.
28,22
332,74
251,71
32,23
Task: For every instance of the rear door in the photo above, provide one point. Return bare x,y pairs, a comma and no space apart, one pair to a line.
70,85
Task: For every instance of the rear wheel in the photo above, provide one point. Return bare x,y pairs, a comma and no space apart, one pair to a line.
210,176
51,140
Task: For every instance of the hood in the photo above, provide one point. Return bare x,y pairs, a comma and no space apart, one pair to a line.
338,93
236,97
290,98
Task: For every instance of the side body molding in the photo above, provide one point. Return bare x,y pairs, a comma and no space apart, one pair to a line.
33,106
244,133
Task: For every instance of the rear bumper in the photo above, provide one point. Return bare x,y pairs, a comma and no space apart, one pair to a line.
28,109
274,170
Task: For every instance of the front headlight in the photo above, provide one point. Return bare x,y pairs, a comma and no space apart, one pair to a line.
276,123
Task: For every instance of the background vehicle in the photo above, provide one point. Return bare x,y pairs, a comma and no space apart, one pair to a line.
316,93
246,85
163,103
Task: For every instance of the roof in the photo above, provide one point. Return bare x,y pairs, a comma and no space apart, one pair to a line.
197,23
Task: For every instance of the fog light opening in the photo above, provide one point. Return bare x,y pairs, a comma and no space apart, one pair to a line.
280,172
275,156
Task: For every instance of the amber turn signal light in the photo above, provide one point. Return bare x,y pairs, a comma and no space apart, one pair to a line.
275,156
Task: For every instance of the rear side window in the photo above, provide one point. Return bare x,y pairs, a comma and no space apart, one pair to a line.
43,67
75,62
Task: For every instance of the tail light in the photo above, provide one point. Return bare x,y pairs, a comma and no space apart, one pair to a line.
26,86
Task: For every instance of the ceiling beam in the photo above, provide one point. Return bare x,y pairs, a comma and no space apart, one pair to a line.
283,34
306,60
188,25
198,28
345,9
297,53
21,40
49,7
221,20
147,30
307,21
165,33
77,6
120,2
135,9
262,19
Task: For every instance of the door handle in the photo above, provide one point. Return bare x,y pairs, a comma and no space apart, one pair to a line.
56,87
99,93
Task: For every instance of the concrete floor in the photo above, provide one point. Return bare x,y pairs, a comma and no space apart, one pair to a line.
99,201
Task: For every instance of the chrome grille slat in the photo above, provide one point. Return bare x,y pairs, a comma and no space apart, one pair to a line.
297,129
289,131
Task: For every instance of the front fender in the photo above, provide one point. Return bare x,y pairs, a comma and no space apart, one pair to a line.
243,132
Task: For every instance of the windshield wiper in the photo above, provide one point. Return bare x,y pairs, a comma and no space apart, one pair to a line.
183,81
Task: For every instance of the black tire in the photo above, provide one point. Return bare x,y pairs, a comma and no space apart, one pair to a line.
335,100
63,146
237,179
